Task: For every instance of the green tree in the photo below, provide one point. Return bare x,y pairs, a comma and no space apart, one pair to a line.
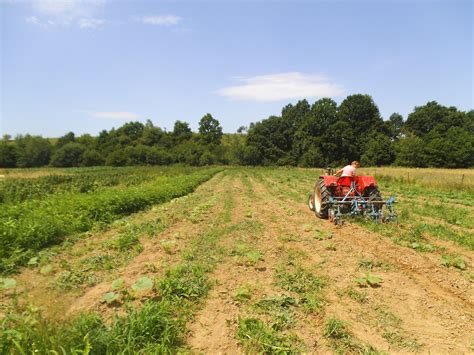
363,117
91,157
411,152
116,158
7,155
431,116
378,150
68,155
181,132
32,151
158,156
67,138
393,127
210,130
454,149
152,135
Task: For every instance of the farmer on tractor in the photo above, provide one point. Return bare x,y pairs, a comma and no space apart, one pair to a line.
348,170
349,194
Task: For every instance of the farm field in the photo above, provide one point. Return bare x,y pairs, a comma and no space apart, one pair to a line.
231,260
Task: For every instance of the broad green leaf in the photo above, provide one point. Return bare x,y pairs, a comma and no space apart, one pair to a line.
45,270
373,280
361,280
254,256
118,284
110,297
33,261
7,283
143,284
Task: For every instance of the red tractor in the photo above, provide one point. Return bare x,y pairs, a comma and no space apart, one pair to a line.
335,196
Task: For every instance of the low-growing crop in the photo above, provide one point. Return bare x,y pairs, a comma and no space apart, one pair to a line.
29,226
369,280
453,261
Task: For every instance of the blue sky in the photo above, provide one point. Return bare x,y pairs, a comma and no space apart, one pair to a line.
88,65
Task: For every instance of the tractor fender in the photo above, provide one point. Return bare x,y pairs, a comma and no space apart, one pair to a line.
364,182
329,180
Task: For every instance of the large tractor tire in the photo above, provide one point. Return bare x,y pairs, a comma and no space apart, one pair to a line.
321,199
374,196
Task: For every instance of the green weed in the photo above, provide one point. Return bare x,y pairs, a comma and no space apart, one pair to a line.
341,339
453,261
359,296
256,337
243,293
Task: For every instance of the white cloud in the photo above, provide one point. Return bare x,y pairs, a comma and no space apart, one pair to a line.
91,23
79,13
67,8
283,86
161,20
118,115
33,20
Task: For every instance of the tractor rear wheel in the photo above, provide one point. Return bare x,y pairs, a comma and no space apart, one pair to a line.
321,199
374,197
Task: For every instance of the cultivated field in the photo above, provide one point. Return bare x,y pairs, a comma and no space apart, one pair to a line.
231,260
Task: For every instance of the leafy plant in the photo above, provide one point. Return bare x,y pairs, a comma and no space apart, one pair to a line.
143,284
253,256
454,261
369,279
7,283
110,297
45,270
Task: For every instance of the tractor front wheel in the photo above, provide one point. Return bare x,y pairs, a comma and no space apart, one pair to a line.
311,201
321,199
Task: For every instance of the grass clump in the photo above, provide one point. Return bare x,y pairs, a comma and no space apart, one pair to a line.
307,285
154,328
279,308
243,293
400,341
341,339
330,245
257,337
358,296
371,264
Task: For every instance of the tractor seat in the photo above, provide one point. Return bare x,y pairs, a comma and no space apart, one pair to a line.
345,181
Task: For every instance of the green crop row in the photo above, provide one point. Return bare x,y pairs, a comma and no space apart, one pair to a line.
27,227
80,181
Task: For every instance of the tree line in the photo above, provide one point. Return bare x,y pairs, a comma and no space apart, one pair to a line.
317,135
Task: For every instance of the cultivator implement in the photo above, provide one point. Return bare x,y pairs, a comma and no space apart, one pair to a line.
333,198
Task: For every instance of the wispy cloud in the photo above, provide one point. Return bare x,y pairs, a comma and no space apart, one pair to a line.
91,23
161,20
117,115
283,86
80,13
